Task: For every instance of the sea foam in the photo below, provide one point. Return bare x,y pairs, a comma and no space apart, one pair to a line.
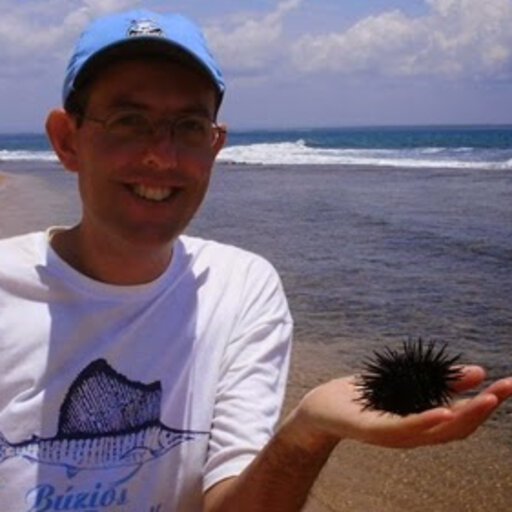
299,153
25,155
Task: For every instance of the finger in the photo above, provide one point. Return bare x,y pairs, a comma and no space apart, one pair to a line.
468,416
428,419
471,376
474,413
469,406
403,432
415,424
502,389
459,404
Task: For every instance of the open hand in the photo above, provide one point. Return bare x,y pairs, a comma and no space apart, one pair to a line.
333,410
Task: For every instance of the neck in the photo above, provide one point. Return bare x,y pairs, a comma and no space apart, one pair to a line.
110,261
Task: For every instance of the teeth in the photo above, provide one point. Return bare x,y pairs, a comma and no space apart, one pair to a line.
152,193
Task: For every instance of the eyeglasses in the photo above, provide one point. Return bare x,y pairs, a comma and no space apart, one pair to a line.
188,132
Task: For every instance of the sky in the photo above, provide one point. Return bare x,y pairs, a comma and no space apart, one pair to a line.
295,63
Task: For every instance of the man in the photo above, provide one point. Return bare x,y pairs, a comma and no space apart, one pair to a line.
143,370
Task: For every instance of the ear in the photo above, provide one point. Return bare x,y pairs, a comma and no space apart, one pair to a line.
221,139
61,130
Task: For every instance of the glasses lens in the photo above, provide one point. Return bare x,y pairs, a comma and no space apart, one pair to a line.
188,132
194,132
128,124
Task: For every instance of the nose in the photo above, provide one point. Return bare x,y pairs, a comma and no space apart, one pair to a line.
161,151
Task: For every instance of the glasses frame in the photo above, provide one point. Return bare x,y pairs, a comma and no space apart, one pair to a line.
155,125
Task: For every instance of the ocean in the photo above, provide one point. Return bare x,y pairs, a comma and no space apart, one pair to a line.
380,235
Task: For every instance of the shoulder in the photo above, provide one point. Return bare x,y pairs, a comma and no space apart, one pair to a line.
21,258
23,247
246,279
232,271
218,255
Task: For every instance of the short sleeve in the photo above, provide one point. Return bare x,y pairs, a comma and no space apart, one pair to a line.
253,376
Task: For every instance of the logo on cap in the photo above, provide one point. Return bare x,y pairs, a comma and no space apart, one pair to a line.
144,28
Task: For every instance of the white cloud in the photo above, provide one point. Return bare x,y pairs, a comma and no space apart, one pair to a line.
252,41
455,38
40,31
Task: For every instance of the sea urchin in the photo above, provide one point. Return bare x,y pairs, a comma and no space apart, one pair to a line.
409,381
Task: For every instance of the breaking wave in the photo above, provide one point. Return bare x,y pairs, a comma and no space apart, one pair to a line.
299,153
26,155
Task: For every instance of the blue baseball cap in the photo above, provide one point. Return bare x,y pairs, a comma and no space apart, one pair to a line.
139,32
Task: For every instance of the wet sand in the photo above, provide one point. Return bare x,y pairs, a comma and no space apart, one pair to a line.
473,475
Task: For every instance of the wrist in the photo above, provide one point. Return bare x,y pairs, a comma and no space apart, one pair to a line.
297,430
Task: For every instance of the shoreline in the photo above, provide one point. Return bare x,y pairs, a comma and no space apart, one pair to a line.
466,476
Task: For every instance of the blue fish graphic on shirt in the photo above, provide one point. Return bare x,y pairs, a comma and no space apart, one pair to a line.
105,422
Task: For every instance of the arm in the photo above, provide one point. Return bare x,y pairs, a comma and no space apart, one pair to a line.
282,474
279,478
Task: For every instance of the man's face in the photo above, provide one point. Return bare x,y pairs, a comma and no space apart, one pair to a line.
143,191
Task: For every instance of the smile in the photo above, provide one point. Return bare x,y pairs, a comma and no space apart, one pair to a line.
152,193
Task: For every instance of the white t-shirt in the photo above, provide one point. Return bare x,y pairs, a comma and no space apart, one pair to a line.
135,398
